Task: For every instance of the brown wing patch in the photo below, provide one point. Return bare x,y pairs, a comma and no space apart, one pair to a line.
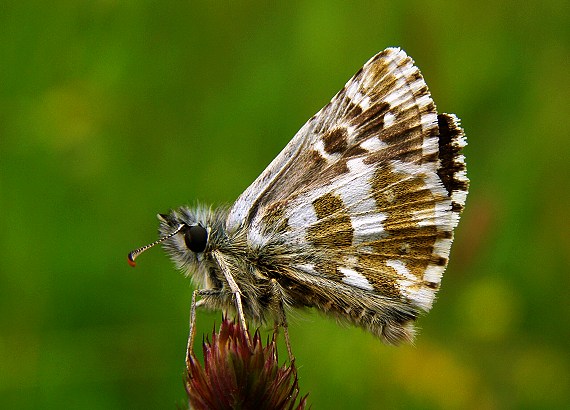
336,140
274,219
333,228
401,197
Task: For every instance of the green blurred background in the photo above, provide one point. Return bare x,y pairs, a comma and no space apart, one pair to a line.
113,111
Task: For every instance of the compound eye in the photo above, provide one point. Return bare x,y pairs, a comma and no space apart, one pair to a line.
196,238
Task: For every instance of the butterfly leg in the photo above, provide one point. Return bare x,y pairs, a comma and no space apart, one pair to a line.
201,293
235,291
282,318
287,341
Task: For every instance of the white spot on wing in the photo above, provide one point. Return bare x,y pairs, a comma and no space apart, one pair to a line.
401,269
389,119
357,166
411,287
307,267
356,196
433,274
367,227
421,296
355,95
354,278
428,119
373,144
303,216
398,96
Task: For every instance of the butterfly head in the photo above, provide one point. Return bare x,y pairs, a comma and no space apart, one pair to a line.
184,233
191,240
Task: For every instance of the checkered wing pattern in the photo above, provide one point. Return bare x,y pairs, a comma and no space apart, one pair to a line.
364,199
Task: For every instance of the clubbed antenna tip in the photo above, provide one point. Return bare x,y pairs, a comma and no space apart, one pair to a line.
134,254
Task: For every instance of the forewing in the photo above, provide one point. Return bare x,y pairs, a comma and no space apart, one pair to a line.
384,111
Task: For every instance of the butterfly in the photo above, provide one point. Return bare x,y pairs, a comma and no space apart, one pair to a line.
355,216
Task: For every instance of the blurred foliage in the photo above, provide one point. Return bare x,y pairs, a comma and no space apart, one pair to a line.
112,111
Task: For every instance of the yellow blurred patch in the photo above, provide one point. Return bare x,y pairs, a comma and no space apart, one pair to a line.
66,116
541,377
490,310
436,375
67,121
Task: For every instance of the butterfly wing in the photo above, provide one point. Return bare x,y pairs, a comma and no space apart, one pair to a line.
385,109
366,195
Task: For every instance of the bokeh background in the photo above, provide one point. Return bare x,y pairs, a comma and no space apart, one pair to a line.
113,111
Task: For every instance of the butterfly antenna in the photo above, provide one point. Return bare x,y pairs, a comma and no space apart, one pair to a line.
134,254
